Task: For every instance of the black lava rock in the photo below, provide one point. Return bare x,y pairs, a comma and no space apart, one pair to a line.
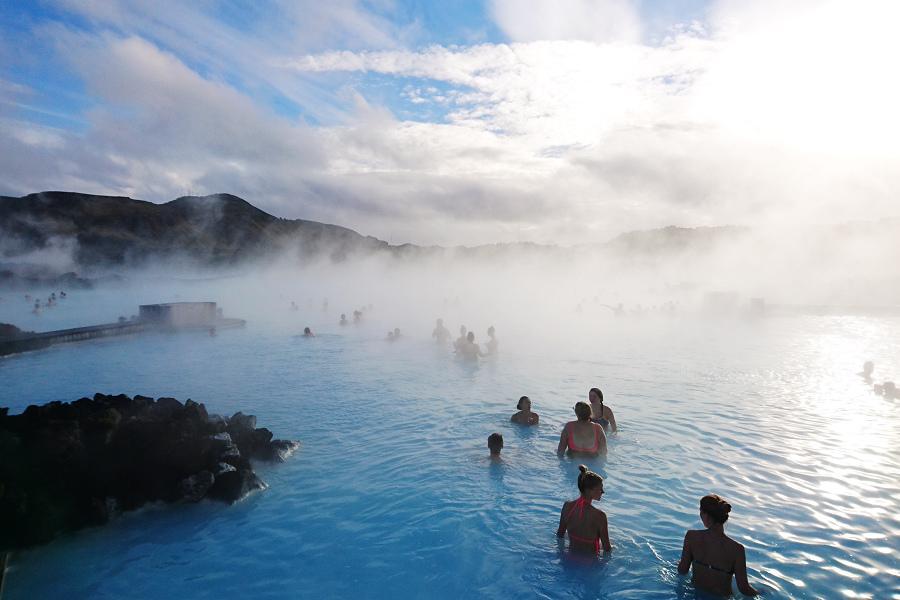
64,466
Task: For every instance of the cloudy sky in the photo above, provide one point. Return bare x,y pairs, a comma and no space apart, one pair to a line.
463,122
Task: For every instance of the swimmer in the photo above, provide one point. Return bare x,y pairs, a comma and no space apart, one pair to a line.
495,445
307,332
889,390
344,319
715,557
357,317
582,436
212,330
294,306
602,415
390,336
525,416
868,368
440,334
469,348
461,340
492,344
587,526
396,333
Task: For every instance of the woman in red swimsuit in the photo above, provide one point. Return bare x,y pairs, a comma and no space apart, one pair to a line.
582,436
587,526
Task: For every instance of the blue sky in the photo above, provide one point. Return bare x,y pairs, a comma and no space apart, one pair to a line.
446,122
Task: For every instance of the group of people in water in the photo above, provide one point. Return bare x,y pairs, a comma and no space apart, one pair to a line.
888,389
52,299
711,556
465,346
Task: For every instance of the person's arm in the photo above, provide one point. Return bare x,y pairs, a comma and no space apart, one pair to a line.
537,418
686,558
563,440
612,420
740,574
561,530
601,436
603,533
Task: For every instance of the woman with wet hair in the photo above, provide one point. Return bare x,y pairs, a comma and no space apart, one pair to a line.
602,415
587,526
525,416
713,556
582,436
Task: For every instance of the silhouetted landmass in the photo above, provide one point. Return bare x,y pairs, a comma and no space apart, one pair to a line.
212,230
105,232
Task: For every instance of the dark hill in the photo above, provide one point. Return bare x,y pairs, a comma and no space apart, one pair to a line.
220,229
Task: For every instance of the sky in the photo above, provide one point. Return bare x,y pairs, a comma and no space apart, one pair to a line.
463,122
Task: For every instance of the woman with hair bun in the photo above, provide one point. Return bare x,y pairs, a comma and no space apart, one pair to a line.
525,416
714,556
587,526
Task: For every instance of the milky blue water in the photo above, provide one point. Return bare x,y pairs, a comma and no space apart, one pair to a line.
391,494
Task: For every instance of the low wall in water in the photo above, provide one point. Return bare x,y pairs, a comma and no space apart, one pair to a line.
36,341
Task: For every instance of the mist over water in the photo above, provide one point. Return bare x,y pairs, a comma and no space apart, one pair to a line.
391,492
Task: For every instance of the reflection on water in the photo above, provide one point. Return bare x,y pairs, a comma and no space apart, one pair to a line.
391,494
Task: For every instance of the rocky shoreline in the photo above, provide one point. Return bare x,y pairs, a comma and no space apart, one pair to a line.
68,465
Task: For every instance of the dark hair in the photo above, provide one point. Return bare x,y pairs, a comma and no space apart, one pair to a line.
521,400
495,440
599,395
582,411
307,330
716,507
587,479
471,336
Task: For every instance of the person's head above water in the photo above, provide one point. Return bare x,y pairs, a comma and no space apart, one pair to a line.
868,367
462,330
595,395
583,411
524,403
440,322
715,507
495,443
307,330
471,337
588,481
491,331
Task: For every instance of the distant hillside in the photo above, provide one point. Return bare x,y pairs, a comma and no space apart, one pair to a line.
210,230
103,232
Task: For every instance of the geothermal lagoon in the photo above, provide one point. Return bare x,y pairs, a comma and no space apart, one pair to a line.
392,494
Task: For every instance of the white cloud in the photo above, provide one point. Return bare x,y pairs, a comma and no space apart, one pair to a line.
770,113
589,20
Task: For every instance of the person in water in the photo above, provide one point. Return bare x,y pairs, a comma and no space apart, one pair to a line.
307,332
525,416
493,344
868,368
440,334
461,340
469,348
713,556
495,445
582,436
601,414
344,319
587,526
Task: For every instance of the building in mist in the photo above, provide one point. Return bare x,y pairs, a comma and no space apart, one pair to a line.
180,314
